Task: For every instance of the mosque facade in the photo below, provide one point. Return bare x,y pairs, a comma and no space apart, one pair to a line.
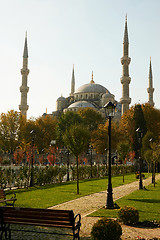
90,95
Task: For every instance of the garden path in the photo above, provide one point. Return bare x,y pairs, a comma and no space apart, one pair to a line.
88,204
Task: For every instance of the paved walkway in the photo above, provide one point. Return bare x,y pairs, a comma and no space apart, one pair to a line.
88,204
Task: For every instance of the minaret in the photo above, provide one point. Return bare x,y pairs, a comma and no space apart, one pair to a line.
23,107
150,89
72,83
125,79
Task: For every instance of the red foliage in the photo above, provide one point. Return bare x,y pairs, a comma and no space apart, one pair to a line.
18,156
51,159
41,159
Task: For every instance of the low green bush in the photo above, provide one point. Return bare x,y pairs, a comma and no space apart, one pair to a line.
106,228
128,215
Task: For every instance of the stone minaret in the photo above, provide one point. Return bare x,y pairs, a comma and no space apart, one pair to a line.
125,79
150,89
23,107
72,83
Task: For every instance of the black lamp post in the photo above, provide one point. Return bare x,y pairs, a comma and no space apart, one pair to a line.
90,149
151,142
52,143
109,112
33,133
68,163
140,136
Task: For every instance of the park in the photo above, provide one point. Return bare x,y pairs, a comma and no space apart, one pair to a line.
88,166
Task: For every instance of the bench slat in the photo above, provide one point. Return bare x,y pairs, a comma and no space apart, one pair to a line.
43,225
38,221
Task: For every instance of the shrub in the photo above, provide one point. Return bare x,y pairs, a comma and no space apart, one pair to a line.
106,228
128,215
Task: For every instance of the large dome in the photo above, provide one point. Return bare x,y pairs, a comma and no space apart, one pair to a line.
81,104
92,88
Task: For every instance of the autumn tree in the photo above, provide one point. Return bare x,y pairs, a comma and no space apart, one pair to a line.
45,131
76,138
152,118
11,127
150,121
99,137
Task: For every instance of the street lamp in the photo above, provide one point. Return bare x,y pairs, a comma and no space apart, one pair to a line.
151,142
109,112
90,149
140,136
68,163
33,134
52,143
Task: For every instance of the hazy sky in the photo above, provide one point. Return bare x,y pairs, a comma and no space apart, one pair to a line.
86,33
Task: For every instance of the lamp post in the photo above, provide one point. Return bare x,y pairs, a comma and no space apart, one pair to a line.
109,112
68,163
52,143
91,149
140,136
151,142
33,133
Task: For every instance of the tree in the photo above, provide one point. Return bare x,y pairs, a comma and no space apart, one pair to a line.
76,138
46,131
11,127
152,118
155,156
139,122
91,118
64,122
150,121
99,137
146,148
123,149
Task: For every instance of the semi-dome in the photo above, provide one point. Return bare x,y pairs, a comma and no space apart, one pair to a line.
81,104
91,88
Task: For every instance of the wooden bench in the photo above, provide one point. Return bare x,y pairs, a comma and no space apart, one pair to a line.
3,199
39,217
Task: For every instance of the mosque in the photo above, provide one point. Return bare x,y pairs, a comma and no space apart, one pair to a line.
92,95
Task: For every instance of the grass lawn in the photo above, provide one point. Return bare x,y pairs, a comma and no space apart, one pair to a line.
50,195
146,201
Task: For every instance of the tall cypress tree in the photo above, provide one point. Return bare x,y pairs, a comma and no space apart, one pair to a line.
139,122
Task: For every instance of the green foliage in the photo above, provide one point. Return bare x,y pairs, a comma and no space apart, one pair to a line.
91,118
128,215
76,138
106,228
65,122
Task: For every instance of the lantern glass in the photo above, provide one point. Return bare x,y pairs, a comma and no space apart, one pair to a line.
109,109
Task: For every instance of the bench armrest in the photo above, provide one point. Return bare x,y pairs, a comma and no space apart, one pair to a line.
12,196
77,222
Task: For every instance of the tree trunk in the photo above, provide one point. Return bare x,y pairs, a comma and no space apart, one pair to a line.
77,176
123,171
154,173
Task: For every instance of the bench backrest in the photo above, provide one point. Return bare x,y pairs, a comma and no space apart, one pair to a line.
37,216
2,194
